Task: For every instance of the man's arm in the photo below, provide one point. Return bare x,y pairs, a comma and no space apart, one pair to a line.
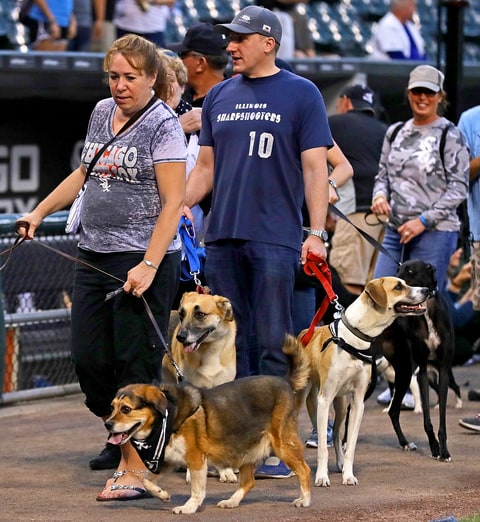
315,177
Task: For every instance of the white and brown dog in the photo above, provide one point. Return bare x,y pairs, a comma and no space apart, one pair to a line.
235,425
341,366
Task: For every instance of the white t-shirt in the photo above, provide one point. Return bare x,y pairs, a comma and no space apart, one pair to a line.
129,17
390,35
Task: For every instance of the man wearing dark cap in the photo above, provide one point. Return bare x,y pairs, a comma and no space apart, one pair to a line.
203,53
360,136
263,148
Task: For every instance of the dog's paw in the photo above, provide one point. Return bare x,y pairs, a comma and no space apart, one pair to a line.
227,475
410,447
187,509
228,503
349,480
322,482
156,491
302,501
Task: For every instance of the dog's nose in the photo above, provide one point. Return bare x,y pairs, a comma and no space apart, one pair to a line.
181,337
108,425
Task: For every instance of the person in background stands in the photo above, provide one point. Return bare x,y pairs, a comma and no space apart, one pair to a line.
397,35
101,43
263,149
131,210
418,185
360,136
8,26
469,124
90,16
53,24
147,18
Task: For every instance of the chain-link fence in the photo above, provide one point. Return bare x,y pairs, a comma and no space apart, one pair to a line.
36,289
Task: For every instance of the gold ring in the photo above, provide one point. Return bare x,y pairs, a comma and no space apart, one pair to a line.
407,233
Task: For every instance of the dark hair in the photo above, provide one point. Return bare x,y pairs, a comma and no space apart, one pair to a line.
217,62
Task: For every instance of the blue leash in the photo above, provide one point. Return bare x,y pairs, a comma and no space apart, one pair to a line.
195,254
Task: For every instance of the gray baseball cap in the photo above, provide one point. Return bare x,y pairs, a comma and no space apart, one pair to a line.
254,19
426,76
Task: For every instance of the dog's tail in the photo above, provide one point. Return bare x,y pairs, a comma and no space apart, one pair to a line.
299,373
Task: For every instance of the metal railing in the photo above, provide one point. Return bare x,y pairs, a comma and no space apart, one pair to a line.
36,286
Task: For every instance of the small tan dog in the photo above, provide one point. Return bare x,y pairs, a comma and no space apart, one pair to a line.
341,365
236,424
203,347
203,342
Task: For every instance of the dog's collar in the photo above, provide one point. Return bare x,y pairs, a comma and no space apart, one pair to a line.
152,449
353,330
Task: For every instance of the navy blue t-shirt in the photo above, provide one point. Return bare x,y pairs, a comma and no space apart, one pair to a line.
258,129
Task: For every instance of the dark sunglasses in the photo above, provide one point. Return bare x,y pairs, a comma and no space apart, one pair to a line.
418,91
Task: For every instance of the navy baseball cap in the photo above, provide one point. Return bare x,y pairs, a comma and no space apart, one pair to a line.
362,97
254,19
201,38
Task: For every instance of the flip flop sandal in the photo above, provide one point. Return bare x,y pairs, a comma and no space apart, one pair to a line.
141,492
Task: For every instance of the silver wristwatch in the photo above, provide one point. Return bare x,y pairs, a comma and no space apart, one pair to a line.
322,234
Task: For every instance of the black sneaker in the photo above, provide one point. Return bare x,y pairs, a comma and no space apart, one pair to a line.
109,458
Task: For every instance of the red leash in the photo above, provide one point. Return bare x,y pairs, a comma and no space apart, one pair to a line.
318,267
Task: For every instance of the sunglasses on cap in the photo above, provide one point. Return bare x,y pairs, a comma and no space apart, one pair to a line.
418,91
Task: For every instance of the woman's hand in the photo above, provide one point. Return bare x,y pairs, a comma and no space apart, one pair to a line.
139,279
33,219
380,206
409,230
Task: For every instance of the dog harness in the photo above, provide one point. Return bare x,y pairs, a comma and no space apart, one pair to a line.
364,355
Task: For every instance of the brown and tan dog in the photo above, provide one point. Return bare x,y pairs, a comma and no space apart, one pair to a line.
341,365
203,342
236,425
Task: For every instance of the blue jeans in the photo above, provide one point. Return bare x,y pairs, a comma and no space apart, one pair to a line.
258,278
304,307
432,246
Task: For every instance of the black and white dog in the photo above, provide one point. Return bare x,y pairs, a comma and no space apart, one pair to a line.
423,342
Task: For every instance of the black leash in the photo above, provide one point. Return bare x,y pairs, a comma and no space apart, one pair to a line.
20,239
369,238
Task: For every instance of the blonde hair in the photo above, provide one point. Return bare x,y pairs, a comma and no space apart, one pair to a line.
139,52
169,62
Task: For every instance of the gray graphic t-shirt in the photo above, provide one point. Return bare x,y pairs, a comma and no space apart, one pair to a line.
121,204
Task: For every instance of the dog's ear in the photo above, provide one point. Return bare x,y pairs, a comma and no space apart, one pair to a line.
156,398
226,308
376,291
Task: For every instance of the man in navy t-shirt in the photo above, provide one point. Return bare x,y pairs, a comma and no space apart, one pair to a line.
263,148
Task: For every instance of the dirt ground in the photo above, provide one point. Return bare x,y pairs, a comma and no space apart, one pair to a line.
46,444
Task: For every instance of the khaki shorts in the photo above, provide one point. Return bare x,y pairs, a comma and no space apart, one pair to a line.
476,275
351,254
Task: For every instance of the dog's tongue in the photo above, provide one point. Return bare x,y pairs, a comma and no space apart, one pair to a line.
115,438
189,348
